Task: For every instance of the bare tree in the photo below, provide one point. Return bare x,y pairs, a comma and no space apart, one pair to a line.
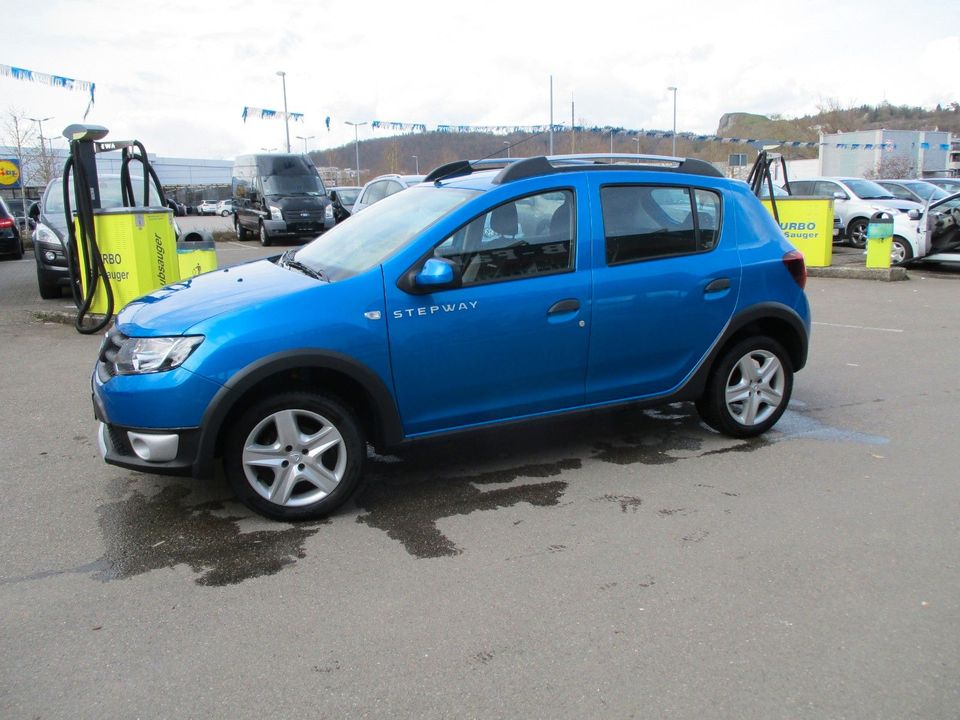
19,135
892,168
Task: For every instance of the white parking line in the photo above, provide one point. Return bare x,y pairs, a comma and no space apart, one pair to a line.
238,244
859,327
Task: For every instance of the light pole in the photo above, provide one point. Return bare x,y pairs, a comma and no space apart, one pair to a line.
356,142
286,115
416,165
611,140
637,141
308,137
674,90
507,143
43,150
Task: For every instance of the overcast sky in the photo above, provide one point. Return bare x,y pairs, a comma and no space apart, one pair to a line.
176,75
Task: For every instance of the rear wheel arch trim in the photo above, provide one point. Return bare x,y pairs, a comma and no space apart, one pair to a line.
389,429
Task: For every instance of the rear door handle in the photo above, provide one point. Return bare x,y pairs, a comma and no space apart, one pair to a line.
717,285
564,306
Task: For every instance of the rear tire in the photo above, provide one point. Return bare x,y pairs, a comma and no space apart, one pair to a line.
749,388
241,231
295,456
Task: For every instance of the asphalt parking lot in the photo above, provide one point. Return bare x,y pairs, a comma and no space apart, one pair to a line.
629,564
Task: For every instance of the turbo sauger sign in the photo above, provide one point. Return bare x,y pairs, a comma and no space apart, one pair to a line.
9,173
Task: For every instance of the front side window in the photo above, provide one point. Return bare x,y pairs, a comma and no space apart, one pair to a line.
532,236
642,222
375,193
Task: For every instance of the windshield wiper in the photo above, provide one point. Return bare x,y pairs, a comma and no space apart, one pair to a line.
286,260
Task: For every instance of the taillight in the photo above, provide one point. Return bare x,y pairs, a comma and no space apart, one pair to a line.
796,267
6,223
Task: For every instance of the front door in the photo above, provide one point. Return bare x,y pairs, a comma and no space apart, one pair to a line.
512,341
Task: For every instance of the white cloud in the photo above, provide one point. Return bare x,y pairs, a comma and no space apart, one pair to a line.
176,75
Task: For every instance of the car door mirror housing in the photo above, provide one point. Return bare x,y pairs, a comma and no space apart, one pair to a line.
914,214
840,196
436,273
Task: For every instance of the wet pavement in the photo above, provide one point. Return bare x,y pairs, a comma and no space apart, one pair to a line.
605,565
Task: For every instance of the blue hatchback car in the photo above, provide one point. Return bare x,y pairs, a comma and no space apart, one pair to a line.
490,293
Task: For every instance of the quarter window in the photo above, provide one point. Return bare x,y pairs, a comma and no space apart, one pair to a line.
534,235
642,222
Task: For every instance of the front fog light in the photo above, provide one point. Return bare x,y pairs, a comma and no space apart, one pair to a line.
49,255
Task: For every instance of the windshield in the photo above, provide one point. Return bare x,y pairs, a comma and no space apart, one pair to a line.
109,195
292,185
379,231
926,190
868,190
348,197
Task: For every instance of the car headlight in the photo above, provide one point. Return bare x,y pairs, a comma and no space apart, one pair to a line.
328,212
275,213
43,234
151,355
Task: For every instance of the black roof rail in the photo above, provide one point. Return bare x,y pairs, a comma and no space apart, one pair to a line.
517,168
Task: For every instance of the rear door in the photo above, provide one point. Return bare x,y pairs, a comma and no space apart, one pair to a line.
666,280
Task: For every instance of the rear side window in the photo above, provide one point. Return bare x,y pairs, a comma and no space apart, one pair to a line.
642,222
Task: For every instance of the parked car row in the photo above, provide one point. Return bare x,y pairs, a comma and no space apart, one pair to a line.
923,217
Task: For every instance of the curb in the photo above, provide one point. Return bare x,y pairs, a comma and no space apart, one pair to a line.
63,317
892,274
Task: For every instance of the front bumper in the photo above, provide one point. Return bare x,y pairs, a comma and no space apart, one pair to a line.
295,227
174,451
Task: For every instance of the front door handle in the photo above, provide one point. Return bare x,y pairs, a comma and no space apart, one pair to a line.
564,306
717,285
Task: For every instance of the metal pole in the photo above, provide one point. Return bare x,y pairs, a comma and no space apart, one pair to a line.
507,143
674,119
356,142
637,141
416,163
551,114
611,141
286,115
43,151
573,131
308,137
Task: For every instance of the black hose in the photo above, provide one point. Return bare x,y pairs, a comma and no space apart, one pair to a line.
95,271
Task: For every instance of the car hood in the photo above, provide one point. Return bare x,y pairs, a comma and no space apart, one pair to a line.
298,202
174,309
897,204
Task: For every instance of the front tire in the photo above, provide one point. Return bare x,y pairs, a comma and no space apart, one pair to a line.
265,239
224,213
295,456
857,232
749,388
48,290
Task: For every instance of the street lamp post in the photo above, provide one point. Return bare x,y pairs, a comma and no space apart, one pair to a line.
308,137
356,142
507,143
674,90
637,141
416,165
286,115
611,140
43,151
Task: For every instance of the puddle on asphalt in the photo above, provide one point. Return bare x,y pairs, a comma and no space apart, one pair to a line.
405,497
408,511
149,533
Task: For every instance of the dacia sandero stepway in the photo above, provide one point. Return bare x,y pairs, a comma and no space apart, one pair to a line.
494,291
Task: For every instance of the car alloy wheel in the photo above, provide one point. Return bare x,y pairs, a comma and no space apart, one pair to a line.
900,251
295,455
857,233
754,388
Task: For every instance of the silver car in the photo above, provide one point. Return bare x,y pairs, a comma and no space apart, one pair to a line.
855,200
382,187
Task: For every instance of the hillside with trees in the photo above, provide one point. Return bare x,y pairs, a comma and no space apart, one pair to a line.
395,153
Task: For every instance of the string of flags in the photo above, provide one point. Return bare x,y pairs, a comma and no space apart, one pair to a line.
264,114
57,81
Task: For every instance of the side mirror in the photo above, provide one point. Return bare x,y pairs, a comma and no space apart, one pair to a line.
34,212
437,273
914,214
840,196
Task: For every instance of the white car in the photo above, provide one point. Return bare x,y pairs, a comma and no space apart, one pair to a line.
382,187
207,207
855,200
939,230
